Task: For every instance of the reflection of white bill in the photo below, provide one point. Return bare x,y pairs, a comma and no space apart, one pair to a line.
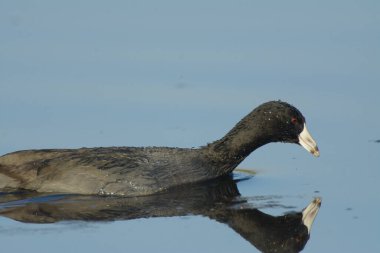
310,212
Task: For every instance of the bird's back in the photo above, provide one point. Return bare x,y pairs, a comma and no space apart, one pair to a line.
115,170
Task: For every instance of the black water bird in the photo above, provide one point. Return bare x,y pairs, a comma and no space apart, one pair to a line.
133,171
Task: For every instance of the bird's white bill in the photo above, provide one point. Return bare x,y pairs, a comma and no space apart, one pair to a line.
306,141
310,212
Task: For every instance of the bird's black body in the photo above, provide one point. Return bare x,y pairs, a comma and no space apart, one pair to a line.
132,171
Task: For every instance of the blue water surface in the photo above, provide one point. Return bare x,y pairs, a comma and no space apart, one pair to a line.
182,73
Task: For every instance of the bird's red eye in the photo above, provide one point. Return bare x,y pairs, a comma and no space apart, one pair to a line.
294,120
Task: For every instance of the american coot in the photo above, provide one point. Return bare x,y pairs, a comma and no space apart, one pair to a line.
132,171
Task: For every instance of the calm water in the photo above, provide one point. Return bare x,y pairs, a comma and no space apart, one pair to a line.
170,73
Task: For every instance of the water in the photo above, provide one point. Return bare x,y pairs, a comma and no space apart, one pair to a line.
182,74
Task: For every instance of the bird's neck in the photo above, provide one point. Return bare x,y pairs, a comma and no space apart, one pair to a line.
228,152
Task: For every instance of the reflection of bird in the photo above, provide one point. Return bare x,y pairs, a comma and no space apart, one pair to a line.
217,199
287,233
141,171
